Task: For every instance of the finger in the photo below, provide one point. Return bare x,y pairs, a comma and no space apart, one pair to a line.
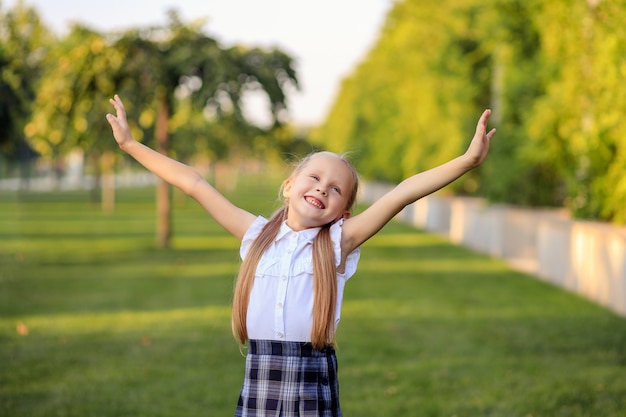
115,105
121,103
491,133
484,118
116,101
481,125
112,120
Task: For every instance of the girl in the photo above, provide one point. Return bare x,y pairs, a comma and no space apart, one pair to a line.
288,294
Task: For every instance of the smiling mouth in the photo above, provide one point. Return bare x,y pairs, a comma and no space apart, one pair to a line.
315,202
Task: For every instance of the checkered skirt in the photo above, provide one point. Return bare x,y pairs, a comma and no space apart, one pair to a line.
289,379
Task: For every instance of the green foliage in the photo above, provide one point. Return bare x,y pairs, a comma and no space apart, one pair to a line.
176,68
55,91
181,70
396,111
73,95
579,119
24,43
94,321
180,64
553,73
176,82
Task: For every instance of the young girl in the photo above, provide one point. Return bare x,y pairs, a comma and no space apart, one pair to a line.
288,294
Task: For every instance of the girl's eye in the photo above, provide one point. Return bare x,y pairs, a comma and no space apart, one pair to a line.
315,177
337,190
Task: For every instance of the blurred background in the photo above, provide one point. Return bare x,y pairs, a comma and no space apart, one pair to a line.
98,319
399,84
316,36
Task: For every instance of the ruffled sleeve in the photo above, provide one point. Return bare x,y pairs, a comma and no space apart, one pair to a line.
251,234
352,259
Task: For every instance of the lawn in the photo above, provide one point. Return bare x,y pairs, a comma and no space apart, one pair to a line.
95,321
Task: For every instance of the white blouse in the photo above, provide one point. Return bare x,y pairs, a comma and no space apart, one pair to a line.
281,300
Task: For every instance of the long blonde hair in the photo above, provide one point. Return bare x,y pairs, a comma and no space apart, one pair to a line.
324,270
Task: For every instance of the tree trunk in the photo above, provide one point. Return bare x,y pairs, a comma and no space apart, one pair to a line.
163,191
107,182
497,86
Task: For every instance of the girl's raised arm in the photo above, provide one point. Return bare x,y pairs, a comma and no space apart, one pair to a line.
358,229
232,218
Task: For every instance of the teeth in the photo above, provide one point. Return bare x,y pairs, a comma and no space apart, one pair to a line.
315,202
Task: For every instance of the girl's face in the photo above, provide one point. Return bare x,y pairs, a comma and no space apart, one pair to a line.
318,194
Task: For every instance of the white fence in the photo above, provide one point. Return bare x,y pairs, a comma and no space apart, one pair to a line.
587,258
49,183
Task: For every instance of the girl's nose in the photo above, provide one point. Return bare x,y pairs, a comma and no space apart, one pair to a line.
322,191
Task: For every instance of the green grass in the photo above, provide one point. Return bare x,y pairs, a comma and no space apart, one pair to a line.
119,328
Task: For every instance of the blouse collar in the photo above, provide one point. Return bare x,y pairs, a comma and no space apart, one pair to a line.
307,234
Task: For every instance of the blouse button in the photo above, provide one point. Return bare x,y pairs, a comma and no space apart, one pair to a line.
279,305
280,335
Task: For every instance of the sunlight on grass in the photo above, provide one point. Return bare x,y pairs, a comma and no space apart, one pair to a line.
118,322
78,247
205,242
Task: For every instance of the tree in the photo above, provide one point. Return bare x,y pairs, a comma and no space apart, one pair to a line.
415,93
24,42
577,125
552,72
159,62
81,71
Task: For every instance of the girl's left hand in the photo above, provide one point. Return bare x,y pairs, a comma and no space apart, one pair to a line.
479,147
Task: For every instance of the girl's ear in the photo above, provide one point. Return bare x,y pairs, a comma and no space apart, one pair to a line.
287,184
345,215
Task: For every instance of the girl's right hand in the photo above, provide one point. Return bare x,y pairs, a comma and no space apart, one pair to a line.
118,122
